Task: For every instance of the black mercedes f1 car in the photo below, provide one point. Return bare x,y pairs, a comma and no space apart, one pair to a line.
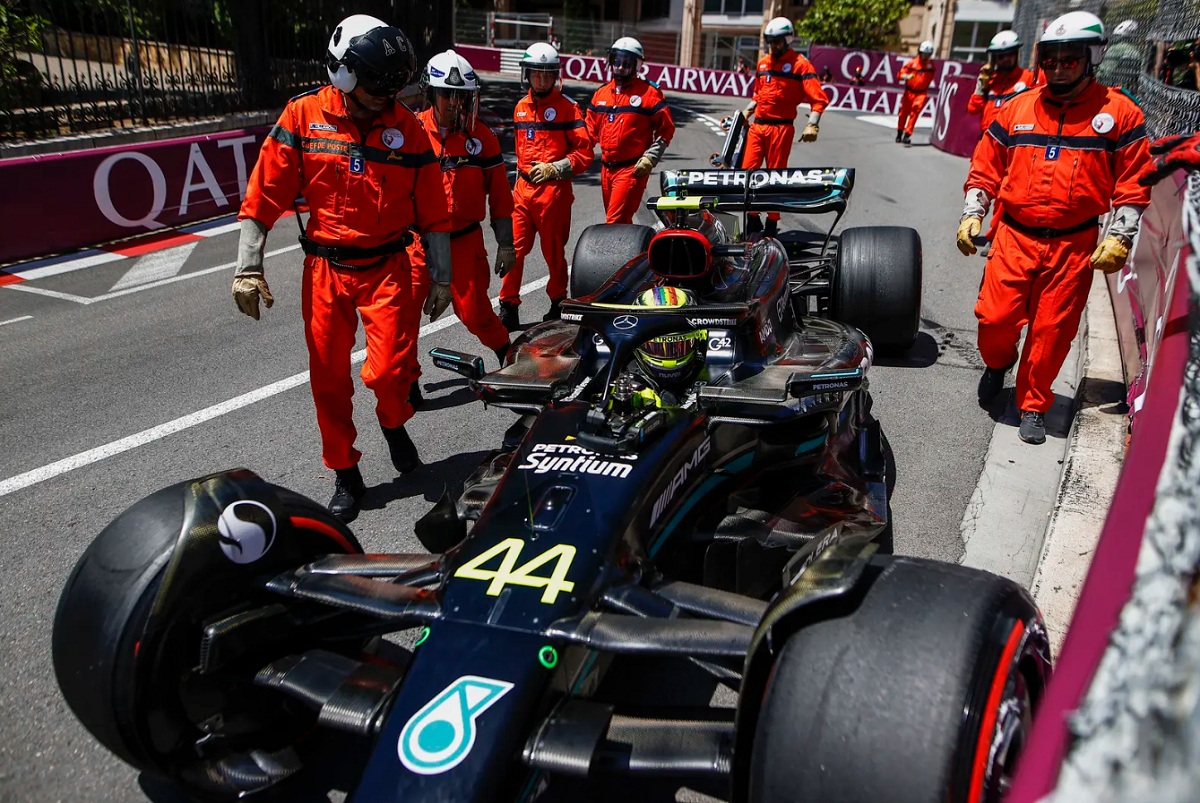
674,572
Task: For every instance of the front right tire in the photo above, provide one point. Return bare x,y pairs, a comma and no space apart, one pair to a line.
923,694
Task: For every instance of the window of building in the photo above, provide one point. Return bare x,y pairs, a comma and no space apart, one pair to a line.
971,39
733,7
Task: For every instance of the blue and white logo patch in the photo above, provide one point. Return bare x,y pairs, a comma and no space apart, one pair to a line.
440,736
435,72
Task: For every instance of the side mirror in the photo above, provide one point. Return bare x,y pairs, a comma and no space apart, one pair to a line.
459,362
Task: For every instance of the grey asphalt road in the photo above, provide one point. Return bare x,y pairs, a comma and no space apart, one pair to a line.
81,377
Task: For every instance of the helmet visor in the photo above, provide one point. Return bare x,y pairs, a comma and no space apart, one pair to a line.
381,85
671,348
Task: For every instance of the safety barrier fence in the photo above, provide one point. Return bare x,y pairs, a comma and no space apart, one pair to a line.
124,191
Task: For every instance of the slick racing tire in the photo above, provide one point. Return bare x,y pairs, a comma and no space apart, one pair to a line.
142,698
602,250
877,285
923,694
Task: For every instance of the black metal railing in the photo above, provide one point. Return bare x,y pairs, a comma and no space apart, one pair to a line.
75,66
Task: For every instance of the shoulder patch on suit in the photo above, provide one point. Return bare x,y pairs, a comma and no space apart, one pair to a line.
1125,92
312,91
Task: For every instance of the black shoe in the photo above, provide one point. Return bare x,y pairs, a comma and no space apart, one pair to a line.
991,383
415,399
510,316
502,353
348,488
404,453
900,136
907,139
1033,427
753,225
772,228
554,314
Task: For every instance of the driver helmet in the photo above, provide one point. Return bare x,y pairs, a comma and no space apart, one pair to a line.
450,75
674,359
539,57
625,58
365,51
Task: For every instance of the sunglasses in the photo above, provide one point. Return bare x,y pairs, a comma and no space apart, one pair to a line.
1066,62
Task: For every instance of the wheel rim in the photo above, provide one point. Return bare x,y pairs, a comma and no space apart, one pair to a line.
1006,721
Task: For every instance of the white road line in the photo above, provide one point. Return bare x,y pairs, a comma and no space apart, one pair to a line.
41,291
156,265
20,481
66,267
17,320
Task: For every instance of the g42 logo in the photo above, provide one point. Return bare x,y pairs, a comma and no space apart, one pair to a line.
509,573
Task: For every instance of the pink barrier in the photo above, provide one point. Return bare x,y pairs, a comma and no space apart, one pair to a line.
954,129
70,200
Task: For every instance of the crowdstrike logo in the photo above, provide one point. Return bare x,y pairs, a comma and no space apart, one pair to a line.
245,531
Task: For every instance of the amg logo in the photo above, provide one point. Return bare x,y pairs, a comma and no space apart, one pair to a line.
831,386
758,178
680,478
711,322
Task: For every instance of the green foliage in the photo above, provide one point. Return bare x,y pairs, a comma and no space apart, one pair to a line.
20,30
871,24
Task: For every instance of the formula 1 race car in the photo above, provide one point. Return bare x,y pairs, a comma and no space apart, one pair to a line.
672,573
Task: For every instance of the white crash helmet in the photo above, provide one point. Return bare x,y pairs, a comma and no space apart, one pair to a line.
449,74
539,57
1126,28
625,57
1004,42
780,28
926,48
366,50
1077,27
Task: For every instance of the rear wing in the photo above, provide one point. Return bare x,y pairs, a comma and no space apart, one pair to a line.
804,190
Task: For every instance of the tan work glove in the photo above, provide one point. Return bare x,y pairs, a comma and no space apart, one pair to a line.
985,79
968,227
506,257
437,300
247,287
810,133
1110,255
541,172
643,167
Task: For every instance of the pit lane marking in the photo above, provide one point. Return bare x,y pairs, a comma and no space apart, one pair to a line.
16,320
21,481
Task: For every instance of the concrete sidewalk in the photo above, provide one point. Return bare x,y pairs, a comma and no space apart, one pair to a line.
1037,512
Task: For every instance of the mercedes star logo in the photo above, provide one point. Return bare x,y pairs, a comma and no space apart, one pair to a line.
625,322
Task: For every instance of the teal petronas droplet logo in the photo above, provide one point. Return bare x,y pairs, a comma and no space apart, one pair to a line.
439,736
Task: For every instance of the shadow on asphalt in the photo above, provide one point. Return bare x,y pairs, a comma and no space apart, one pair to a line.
429,481
923,354
1003,410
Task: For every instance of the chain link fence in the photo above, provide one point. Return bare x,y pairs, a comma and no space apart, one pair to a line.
1150,56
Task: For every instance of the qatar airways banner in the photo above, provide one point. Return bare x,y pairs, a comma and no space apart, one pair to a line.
955,130
82,198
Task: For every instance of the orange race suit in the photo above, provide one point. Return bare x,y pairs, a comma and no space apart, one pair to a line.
361,188
780,85
1053,168
1001,87
626,121
474,175
548,129
916,75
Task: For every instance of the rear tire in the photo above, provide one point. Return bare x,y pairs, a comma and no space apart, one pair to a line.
903,698
877,285
602,250
142,700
